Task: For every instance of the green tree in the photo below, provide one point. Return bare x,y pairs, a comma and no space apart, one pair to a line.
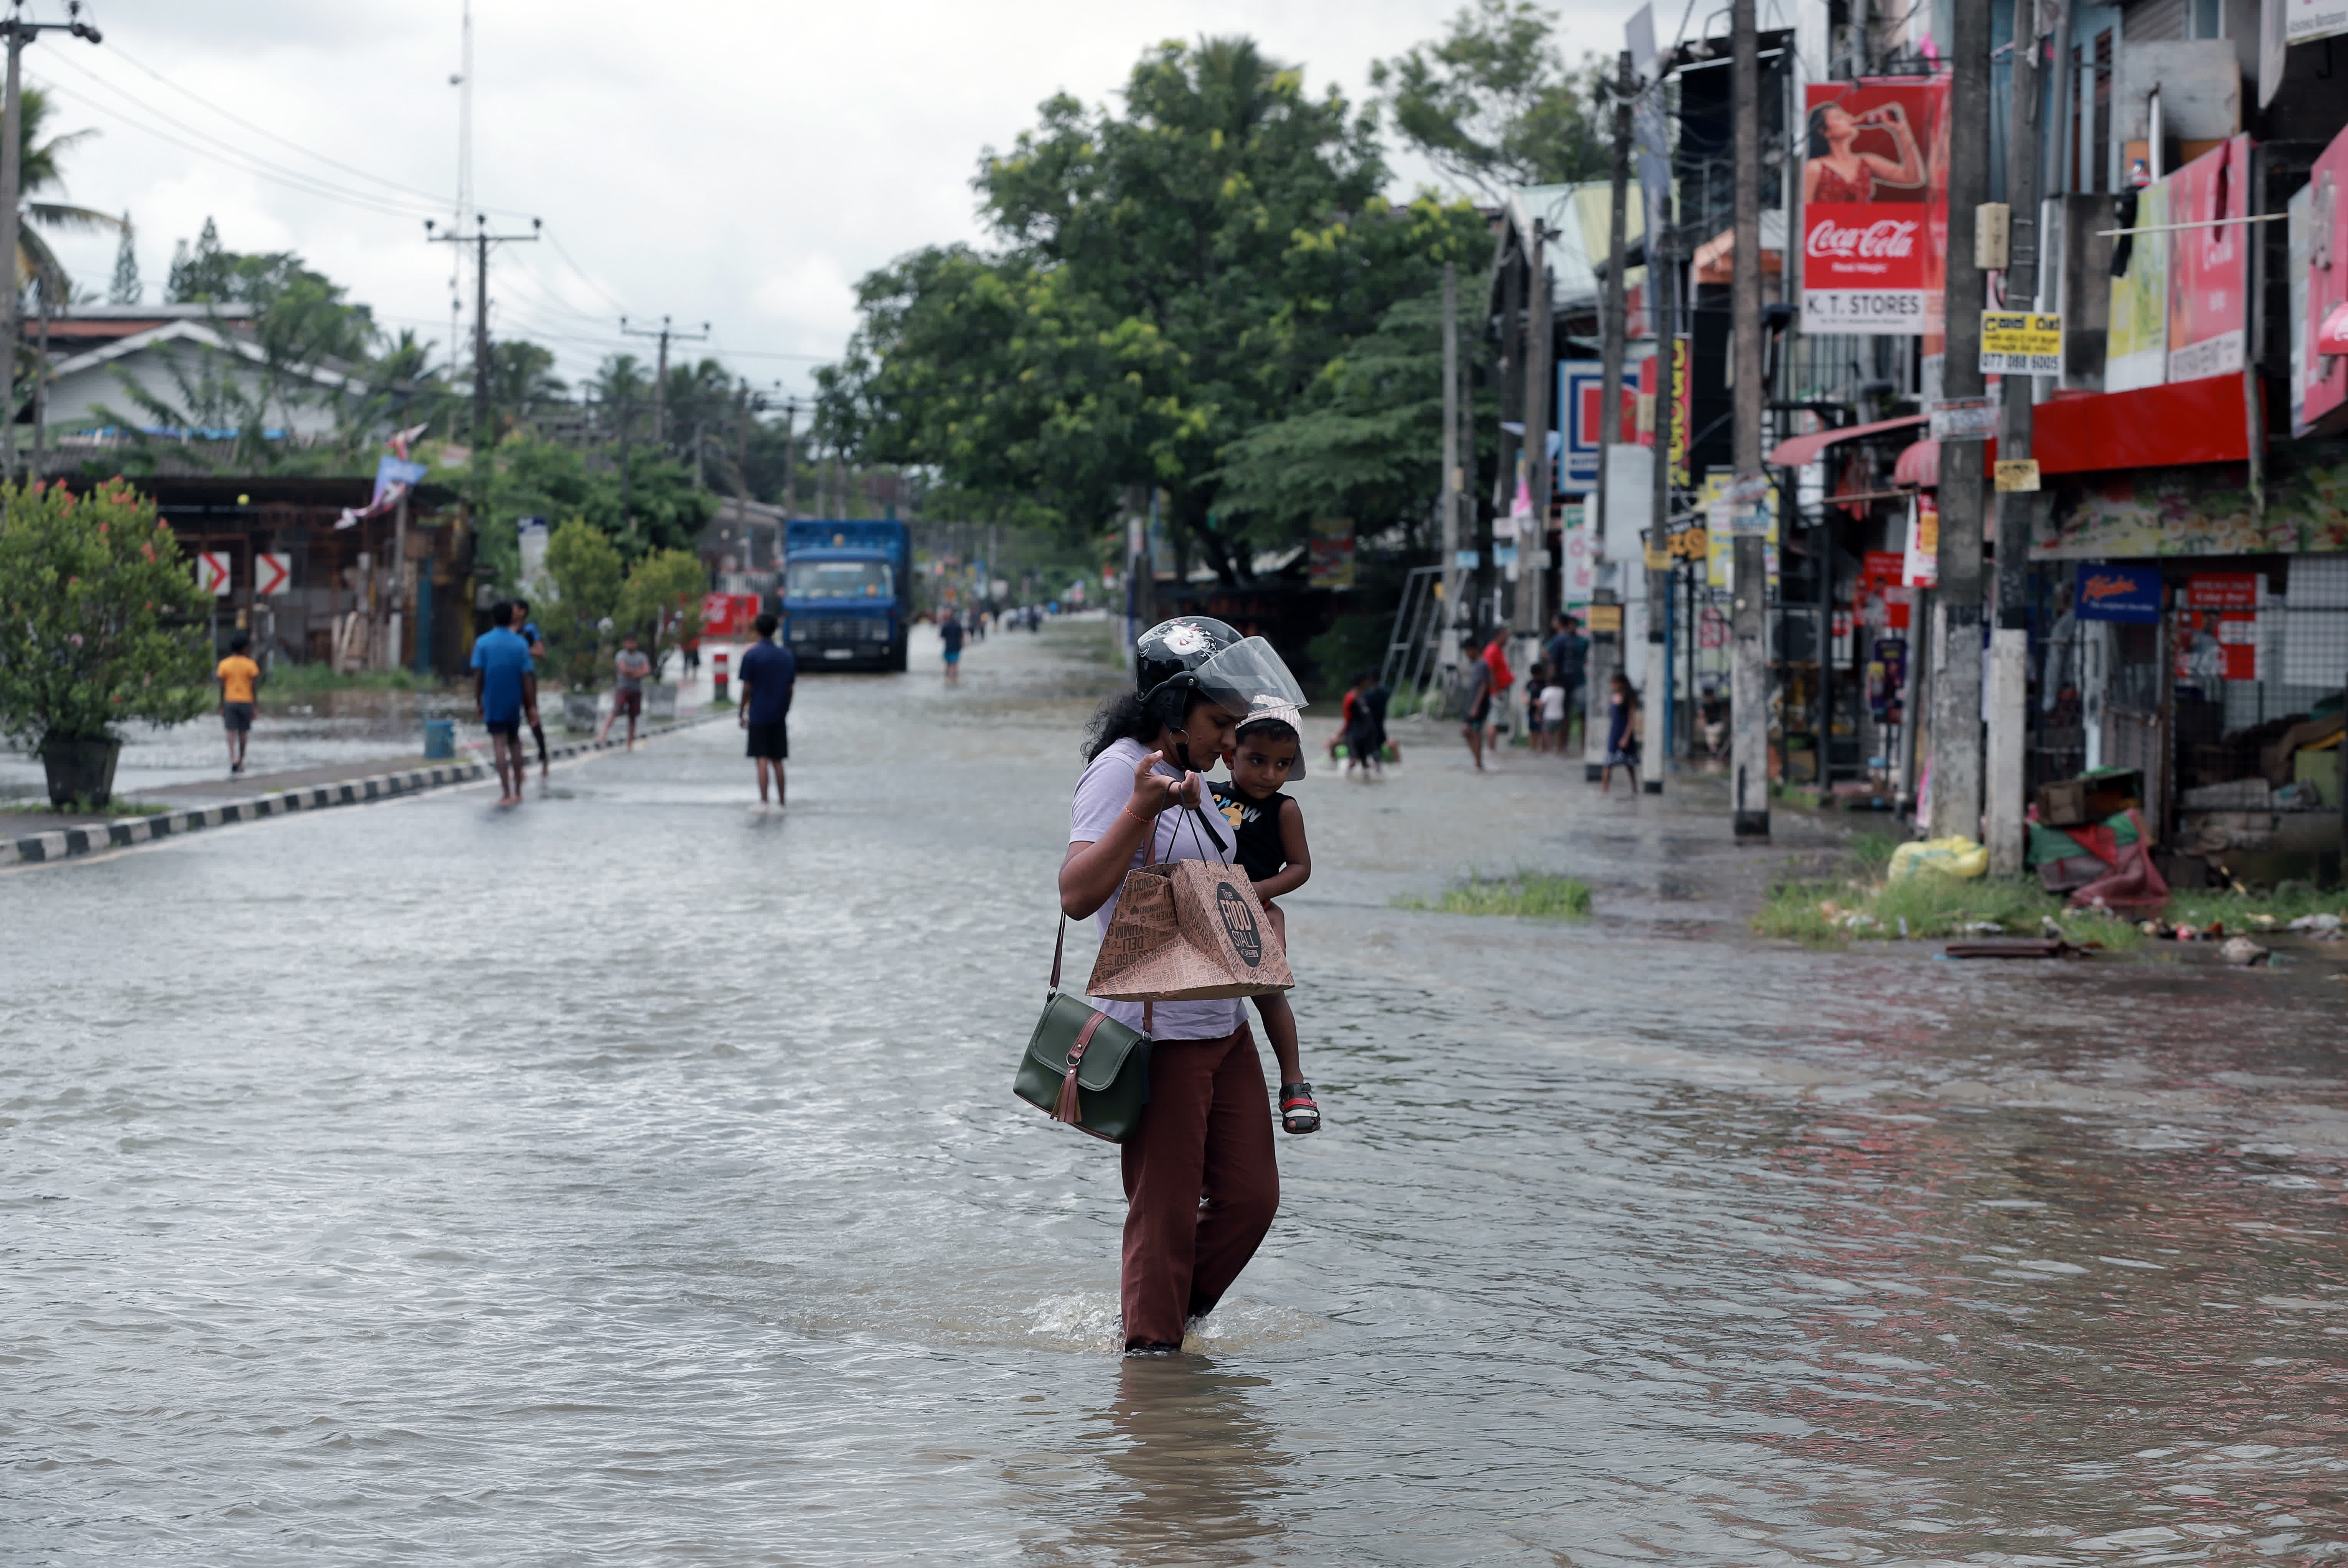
1365,441
41,168
577,616
661,602
522,383
102,621
1493,103
126,289
1172,275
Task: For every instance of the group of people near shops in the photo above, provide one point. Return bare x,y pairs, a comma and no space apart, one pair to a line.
1553,697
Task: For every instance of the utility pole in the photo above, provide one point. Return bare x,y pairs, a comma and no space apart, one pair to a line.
1664,290
480,239
790,439
1957,597
19,32
1538,414
1748,622
1455,481
1615,330
2017,510
666,335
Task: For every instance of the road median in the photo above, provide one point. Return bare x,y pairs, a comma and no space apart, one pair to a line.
93,838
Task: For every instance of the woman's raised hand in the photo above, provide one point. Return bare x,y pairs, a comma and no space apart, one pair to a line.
1153,792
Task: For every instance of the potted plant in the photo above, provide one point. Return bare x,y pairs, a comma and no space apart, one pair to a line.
662,604
585,572
101,622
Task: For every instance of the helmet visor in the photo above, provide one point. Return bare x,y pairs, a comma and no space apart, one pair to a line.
1246,676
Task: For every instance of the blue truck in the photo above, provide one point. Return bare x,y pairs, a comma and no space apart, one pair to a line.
848,593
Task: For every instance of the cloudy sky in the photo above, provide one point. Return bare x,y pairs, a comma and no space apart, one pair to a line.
714,160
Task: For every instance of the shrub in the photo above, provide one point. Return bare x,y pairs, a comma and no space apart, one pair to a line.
101,620
661,602
576,617
1539,894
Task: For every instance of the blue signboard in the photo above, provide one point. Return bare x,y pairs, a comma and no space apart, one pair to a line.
1581,383
2130,594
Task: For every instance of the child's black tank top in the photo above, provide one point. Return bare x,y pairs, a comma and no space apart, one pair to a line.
1256,825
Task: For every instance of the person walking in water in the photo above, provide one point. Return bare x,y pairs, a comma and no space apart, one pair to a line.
1621,733
505,686
629,668
1475,707
949,633
535,641
767,674
1201,1185
238,675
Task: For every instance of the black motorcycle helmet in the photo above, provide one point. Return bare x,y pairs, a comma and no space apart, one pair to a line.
1167,660
1196,655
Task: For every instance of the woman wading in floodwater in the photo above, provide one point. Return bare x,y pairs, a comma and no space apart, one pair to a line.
1200,1185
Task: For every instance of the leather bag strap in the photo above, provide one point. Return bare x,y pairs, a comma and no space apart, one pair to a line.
1059,946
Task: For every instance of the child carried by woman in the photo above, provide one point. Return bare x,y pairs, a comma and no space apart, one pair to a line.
1267,750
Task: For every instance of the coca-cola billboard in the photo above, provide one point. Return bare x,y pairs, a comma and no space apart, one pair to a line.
1871,179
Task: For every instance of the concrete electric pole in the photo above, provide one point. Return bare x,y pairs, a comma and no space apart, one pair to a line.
1749,616
480,239
19,32
667,335
2009,706
1540,412
1614,330
1957,657
1455,482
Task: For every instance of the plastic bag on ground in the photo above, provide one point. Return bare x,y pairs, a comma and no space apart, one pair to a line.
1957,856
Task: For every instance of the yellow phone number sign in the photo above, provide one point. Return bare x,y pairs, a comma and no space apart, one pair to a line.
2021,342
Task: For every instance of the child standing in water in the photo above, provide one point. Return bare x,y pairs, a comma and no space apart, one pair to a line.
1267,750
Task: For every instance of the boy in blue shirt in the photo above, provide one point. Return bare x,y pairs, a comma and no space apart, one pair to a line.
505,686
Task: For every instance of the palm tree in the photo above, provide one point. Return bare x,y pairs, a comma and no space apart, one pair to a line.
36,262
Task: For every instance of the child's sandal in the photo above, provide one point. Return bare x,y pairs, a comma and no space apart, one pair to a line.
1298,1111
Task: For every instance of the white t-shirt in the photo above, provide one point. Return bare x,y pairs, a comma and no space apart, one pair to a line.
1100,798
1552,704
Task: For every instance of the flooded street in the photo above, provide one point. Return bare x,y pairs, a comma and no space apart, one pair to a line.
636,1177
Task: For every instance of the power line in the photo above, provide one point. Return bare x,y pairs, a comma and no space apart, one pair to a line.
244,163
438,201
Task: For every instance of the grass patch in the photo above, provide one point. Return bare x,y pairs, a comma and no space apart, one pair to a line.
2254,911
1538,895
116,806
310,680
1872,847
1931,907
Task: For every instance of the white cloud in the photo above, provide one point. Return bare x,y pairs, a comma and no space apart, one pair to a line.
733,162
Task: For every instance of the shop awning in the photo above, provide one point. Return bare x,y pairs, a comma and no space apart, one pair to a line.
1919,467
2151,427
1803,450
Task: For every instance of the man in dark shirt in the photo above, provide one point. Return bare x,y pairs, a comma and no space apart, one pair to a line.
767,673
1569,658
949,633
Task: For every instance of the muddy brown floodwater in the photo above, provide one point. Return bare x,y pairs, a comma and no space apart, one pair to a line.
636,1178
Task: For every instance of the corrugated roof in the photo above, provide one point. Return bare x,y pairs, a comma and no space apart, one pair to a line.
1577,218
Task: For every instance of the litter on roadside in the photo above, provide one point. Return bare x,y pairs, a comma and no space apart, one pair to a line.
2012,947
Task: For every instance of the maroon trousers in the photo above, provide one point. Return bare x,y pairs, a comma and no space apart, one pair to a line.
1200,1183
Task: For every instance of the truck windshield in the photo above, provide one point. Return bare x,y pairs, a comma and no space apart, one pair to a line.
837,580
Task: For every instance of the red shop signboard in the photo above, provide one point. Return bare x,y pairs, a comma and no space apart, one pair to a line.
2217,629
2208,265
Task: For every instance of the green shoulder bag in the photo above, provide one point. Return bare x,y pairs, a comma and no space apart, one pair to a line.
1083,1067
